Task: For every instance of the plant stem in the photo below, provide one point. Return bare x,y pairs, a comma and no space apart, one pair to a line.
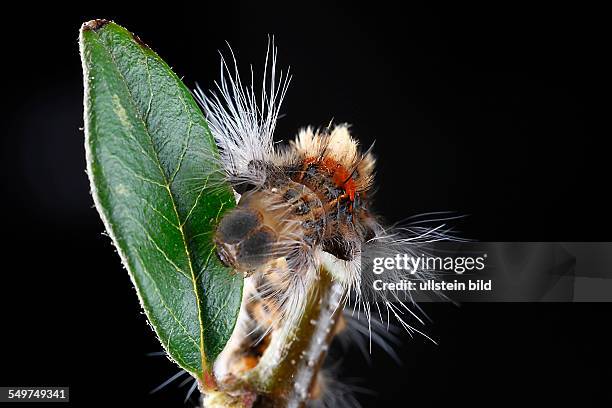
287,372
290,382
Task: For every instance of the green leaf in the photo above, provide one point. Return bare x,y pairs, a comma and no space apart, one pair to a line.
156,181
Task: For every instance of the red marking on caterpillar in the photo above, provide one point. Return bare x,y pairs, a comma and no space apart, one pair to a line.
340,175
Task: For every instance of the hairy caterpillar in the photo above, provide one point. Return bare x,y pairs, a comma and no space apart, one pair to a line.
300,206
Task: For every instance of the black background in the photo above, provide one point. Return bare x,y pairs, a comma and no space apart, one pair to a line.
479,110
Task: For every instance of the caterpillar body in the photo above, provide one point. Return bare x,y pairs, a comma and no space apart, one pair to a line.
299,207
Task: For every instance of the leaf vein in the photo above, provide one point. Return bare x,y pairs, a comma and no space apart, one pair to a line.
156,245
165,306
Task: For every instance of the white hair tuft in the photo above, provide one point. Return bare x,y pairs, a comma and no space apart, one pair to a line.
241,122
